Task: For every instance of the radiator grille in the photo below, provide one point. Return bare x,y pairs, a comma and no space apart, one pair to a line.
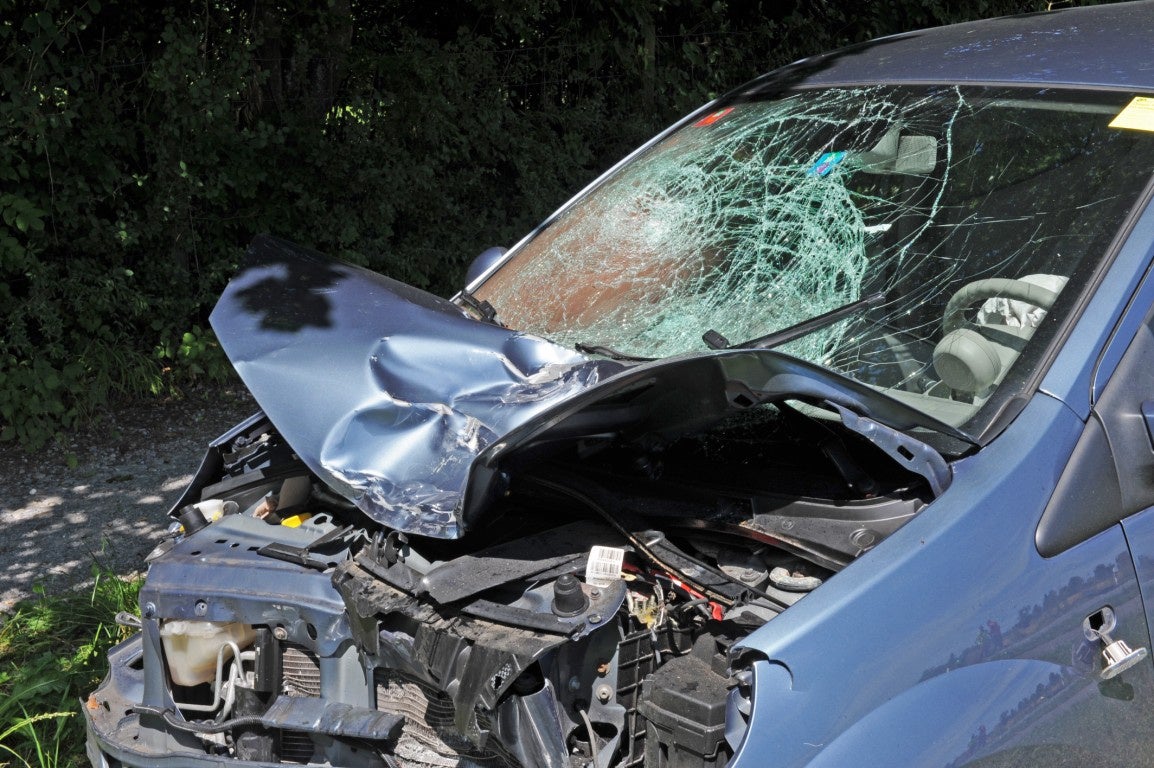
429,738
300,671
296,747
300,676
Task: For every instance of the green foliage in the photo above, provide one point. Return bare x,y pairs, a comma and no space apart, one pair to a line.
142,146
52,652
194,357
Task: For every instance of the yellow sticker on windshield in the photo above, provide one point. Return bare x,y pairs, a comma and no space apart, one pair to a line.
1137,115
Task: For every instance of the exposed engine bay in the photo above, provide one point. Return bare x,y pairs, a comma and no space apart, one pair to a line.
585,620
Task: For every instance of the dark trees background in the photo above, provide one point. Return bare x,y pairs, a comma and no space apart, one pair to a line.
142,145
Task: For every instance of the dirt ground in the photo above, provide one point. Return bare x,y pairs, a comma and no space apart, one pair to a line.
100,497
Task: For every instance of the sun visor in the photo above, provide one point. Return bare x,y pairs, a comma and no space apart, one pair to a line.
386,392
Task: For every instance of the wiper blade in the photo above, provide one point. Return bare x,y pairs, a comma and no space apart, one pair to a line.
716,341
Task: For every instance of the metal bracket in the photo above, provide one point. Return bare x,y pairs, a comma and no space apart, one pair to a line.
909,452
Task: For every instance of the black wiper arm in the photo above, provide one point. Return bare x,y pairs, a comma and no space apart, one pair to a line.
716,341
483,309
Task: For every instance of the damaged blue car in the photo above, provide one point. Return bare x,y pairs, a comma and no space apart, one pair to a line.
817,432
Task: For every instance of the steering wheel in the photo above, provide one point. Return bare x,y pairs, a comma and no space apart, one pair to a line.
966,360
993,288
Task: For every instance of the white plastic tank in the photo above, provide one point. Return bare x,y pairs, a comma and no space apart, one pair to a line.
191,647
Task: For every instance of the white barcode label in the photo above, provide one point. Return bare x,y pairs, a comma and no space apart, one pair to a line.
604,565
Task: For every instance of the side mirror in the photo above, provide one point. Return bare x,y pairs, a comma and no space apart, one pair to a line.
481,264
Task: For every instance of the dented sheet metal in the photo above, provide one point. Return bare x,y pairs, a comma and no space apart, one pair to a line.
386,392
333,718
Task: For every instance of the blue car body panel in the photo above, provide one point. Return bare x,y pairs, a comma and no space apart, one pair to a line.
867,651
1104,47
405,434
400,432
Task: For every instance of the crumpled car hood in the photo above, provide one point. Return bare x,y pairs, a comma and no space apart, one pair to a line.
407,406
386,392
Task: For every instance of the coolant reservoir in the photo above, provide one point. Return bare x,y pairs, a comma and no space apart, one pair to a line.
191,647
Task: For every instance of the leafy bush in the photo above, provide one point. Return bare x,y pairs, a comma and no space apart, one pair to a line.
142,146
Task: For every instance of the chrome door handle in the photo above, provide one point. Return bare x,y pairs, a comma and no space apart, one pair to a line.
1117,656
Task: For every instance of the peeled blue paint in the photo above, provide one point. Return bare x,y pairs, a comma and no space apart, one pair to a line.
386,392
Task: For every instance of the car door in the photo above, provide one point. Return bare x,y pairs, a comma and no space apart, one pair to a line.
1123,418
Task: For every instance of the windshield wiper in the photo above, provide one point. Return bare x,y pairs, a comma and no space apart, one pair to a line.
716,341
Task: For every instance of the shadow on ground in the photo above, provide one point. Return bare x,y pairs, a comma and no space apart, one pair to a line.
100,498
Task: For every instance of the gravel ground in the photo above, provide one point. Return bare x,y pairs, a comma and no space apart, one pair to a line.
101,496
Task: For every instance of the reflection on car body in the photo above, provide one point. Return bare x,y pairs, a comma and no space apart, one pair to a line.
597,510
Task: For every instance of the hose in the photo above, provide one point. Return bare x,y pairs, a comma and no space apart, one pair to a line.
169,716
592,736
783,579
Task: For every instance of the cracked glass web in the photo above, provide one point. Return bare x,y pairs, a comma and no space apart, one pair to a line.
769,212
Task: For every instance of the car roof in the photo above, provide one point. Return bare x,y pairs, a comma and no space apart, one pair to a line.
1105,46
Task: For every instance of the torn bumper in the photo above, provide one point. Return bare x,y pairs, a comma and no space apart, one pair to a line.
114,729
118,732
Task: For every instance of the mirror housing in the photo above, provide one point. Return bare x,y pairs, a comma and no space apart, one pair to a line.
486,259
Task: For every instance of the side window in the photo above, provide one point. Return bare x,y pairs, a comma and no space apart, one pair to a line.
1110,475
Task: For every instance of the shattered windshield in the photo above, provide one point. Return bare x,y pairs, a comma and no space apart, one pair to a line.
967,209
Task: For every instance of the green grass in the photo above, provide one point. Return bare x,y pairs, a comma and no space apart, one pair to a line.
51,656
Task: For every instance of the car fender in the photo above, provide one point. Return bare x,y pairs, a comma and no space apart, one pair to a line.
983,714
